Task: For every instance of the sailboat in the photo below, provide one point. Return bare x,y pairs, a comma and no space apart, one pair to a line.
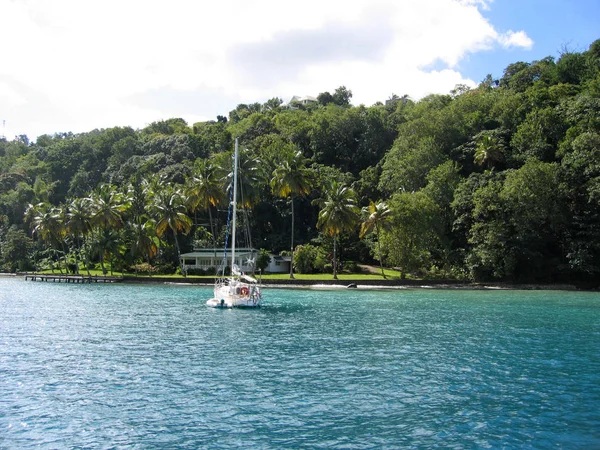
237,290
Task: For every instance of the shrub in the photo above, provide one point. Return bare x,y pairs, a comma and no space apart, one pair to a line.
143,268
304,258
321,263
196,271
263,260
165,269
351,266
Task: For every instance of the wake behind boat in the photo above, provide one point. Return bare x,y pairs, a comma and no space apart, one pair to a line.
238,290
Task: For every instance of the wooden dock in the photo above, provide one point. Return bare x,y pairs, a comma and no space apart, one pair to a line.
77,279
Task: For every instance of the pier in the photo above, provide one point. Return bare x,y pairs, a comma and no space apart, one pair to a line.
77,279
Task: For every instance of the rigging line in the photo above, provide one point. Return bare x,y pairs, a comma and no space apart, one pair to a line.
246,222
224,264
246,226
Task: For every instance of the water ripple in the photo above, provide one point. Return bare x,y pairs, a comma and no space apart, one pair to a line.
150,367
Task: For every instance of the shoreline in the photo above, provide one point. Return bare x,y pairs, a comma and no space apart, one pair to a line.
357,284
381,284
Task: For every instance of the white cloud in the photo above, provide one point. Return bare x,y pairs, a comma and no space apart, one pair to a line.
515,39
484,4
69,65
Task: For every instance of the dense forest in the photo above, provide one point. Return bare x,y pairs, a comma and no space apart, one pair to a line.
497,182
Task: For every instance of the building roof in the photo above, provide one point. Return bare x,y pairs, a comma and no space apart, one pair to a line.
210,252
298,99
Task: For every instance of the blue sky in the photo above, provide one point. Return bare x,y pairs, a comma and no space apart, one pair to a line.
551,24
72,65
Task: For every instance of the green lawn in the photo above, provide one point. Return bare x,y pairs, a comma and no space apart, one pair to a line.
390,274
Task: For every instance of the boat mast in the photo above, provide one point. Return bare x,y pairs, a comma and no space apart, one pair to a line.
235,169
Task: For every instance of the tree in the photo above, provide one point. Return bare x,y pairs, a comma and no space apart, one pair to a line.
138,196
142,242
580,170
538,136
305,258
413,231
78,224
46,222
291,178
108,208
263,260
406,165
16,247
342,96
489,151
248,179
324,98
272,104
205,190
338,213
375,218
171,215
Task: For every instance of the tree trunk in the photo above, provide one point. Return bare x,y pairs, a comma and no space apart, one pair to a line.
212,232
102,261
179,255
379,248
64,249
292,244
79,245
335,257
77,250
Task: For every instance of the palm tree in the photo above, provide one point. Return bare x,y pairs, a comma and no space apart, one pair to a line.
489,151
338,213
248,188
78,224
97,244
248,179
291,178
108,207
170,211
141,229
46,222
143,242
138,196
375,218
205,191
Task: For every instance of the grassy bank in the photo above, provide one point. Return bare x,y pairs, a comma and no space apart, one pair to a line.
345,276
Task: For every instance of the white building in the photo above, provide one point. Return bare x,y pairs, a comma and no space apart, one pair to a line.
207,258
297,100
279,264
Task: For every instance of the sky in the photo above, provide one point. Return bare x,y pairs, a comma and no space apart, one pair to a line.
78,65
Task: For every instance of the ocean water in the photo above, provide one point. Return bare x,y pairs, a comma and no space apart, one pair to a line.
149,366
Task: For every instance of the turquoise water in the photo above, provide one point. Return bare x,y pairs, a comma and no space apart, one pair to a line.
122,366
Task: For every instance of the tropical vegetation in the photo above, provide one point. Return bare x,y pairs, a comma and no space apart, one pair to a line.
495,182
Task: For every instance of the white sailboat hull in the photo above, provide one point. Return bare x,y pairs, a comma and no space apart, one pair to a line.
233,293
